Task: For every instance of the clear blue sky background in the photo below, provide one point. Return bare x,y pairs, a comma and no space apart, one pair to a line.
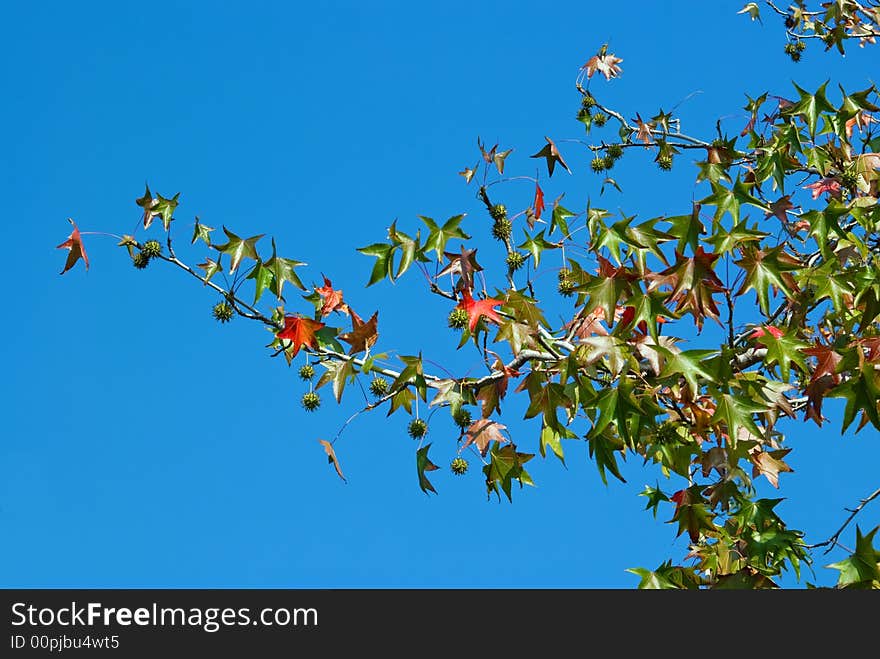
145,445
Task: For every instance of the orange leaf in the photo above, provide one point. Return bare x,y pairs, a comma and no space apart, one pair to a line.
301,331
77,250
332,299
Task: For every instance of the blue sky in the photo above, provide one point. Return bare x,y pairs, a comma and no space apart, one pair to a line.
145,445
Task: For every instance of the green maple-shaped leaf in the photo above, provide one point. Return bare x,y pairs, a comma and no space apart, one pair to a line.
655,497
518,335
537,244
438,235
646,238
409,248
862,568
648,308
282,271
690,364
505,466
726,241
262,277
339,373
768,270
826,222
552,437
423,464
559,217
383,267
729,200
687,228
735,413
524,309
862,393
201,232
784,351
211,268
604,448
668,576
238,249
809,107
413,373
164,208
651,580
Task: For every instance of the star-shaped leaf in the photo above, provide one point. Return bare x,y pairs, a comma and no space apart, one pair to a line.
76,249
300,332
477,309
423,464
439,235
482,432
552,155
148,204
282,270
238,249
332,299
363,335
164,208
201,232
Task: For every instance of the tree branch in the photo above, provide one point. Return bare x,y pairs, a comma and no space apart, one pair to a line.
832,541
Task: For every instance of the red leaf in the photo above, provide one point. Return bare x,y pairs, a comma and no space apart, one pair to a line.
827,184
300,331
539,201
477,308
758,332
77,250
332,299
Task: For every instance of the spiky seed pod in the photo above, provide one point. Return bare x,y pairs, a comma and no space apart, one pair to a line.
614,151
849,179
801,45
140,260
459,466
502,228
598,164
307,372
600,119
664,162
583,114
223,312
378,386
564,273
588,101
152,248
515,260
462,417
795,55
417,428
566,287
311,401
498,212
609,162
458,318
